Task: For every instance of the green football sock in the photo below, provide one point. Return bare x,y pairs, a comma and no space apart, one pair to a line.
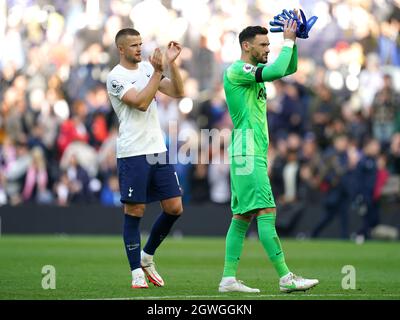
234,245
270,241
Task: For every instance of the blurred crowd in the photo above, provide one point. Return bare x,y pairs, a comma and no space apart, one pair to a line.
334,125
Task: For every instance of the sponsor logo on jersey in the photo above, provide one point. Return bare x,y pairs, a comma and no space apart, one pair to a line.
262,94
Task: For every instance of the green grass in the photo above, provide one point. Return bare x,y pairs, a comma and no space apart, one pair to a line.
96,268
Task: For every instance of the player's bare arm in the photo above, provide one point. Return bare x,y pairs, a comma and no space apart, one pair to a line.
142,99
172,87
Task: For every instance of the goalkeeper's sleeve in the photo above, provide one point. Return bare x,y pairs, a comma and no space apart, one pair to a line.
285,64
292,68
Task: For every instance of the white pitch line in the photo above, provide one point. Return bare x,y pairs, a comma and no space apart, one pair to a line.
247,296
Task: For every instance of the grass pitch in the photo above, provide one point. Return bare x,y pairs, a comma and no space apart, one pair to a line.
91,267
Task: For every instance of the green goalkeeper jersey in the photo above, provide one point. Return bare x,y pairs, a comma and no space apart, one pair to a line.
246,98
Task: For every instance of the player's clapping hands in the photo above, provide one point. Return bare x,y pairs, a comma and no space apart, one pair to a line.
156,60
172,52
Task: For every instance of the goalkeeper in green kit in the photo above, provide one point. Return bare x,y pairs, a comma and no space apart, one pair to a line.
251,190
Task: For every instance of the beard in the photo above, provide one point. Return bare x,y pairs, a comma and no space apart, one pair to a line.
259,58
133,59
262,58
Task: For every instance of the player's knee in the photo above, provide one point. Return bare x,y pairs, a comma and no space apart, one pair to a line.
266,211
172,206
246,218
136,210
175,210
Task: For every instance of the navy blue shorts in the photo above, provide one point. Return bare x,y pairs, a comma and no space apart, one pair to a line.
141,181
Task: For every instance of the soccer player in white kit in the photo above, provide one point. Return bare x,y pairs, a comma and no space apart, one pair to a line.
132,86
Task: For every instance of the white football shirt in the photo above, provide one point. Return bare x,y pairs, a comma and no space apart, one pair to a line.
139,132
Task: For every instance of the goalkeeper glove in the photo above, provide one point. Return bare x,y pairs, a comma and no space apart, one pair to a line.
303,27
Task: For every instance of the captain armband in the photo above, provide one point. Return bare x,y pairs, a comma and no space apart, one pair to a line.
258,74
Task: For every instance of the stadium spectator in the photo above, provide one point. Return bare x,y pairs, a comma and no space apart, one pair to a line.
389,52
367,192
62,190
334,185
212,111
291,175
218,177
203,64
73,129
371,81
311,161
382,178
394,155
287,113
3,193
323,109
385,107
277,164
356,126
110,193
294,110
78,182
199,183
35,188
16,170
291,204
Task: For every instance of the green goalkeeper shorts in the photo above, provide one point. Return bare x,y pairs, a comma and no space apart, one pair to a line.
250,184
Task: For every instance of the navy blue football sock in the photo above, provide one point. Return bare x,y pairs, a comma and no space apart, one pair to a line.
132,240
159,231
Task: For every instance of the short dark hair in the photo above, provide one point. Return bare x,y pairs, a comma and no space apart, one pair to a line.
250,32
126,32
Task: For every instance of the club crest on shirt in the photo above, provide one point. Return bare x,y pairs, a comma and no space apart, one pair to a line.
116,86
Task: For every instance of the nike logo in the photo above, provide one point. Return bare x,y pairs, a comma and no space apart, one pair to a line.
148,76
133,82
279,253
132,246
